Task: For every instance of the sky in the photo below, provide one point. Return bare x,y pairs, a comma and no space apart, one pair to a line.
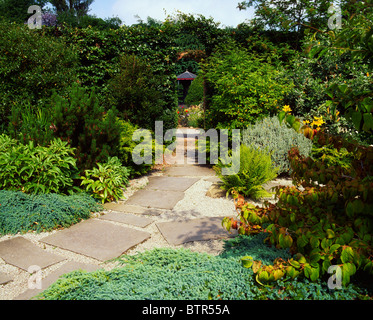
223,11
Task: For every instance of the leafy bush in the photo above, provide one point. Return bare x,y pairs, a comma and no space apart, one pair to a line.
136,94
195,92
29,123
327,222
107,180
126,146
20,212
36,169
169,274
243,88
268,134
255,169
32,63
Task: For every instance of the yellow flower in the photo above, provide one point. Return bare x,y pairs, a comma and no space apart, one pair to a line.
306,121
286,108
318,122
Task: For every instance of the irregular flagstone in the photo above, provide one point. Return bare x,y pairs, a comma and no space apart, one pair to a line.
170,183
123,207
156,198
98,239
189,171
53,277
178,232
127,218
22,253
5,278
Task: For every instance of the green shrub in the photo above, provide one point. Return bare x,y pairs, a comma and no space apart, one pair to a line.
29,123
195,92
243,88
126,146
31,65
20,212
255,169
36,169
79,119
106,181
277,139
136,92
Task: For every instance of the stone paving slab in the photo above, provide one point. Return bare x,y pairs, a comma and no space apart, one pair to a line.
156,198
22,253
5,278
170,183
53,277
98,239
123,207
179,232
189,171
127,218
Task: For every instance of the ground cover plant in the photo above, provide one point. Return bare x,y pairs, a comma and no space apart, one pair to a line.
169,274
21,213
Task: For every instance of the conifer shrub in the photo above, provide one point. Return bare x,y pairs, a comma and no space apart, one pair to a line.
180,274
79,119
277,139
20,212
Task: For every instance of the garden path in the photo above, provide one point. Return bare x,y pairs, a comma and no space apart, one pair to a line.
171,210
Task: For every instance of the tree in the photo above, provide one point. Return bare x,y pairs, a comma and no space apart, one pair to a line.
16,10
75,7
354,42
289,15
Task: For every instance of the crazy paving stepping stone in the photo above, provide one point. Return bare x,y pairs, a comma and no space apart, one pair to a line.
189,171
170,183
155,198
5,278
127,218
123,207
178,232
98,239
22,253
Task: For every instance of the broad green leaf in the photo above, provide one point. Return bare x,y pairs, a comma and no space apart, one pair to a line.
247,261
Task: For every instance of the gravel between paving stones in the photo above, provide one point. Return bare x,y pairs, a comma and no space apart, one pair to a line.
194,205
